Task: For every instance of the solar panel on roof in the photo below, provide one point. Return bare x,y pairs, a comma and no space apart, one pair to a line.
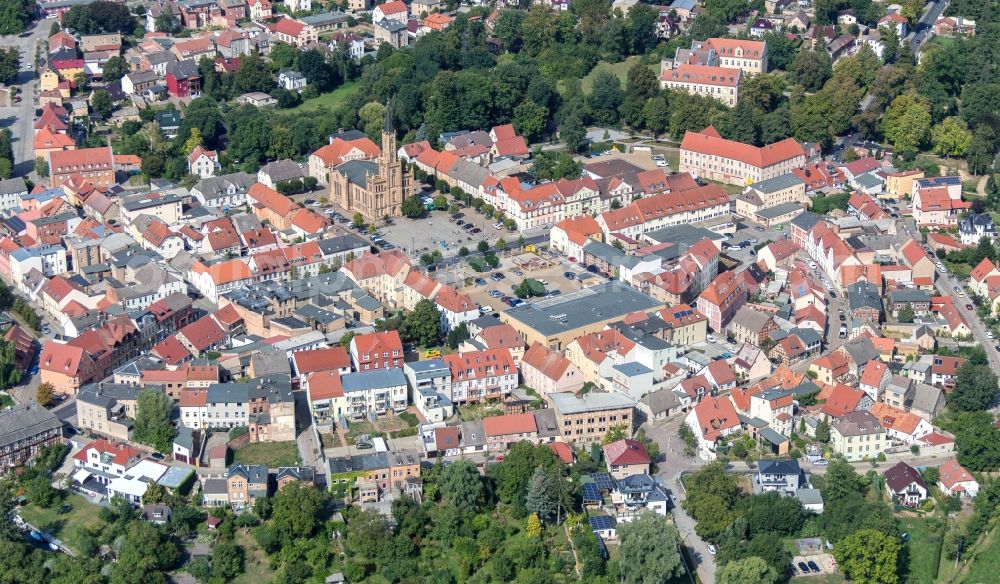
601,522
591,493
603,481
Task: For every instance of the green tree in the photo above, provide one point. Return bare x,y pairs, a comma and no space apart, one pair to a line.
41,167
115,68
656,114
412,207
649,547
869,557
297,511
146,553
982,149
423,324
40,492
951,137
45,394
166,22
530,120
14,16
538,500
227,560
100,100
152,419
605,98
751,570
977,441
440,202
357,220
534,527
573,132
907,122
462,486
811,69
906,314
10,60
975,388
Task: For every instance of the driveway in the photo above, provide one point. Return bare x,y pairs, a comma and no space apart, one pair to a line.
310,449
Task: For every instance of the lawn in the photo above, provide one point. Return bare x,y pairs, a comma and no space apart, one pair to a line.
924,548
329,100
257,567
822,579
958,270
619,69
985,564
65,527
270,454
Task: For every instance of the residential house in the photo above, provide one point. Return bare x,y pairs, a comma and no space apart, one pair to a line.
711,420
955,480
905,485
548,371
858,436
626,457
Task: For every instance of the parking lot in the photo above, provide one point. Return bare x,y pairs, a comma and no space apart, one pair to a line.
814,565
552,276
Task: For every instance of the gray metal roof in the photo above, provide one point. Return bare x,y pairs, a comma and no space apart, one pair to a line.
356,171
602,302
779,210
778,183
376,379
632,369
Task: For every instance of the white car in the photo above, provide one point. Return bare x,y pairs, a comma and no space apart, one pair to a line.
989,334
711,549
710,338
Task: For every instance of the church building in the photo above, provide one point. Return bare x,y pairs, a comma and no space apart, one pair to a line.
374,188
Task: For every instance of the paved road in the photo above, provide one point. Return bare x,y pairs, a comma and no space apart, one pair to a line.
921,32
310,450
19,117
672,466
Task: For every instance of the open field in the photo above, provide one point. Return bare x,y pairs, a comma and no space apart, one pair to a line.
66,527
328,100
257,567
270,454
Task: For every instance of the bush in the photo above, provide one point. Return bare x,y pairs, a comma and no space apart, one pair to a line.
409,418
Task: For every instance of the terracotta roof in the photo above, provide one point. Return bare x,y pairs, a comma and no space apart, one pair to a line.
896,419
982,270
46,139
394,7
952,473
81,160
579,229
370,265
203,333
377,342
121,454
716,415
193,398
843,399
665,205
873,373
595,346
340,150
271,199
157,232
61,358
199,151
446,438
764,156
626,452
326,359
288,26
563,451
729,47
510,424
309,221
226,271
480,364
703,75
550,363
721,291
946,365
862,165
324,385
454,301
502,336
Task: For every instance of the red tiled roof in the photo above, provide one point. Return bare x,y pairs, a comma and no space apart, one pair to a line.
203,333
550,363
703,75
764,156
626,452
716,415
509,424
326,359
121,454
324,385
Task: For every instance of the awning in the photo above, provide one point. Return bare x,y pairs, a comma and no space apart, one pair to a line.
81,475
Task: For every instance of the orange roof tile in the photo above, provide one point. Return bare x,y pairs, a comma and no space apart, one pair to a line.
761,157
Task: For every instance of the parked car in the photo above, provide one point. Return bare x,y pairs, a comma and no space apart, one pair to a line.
822,462
711,549
969,307
480,281
804,568
569,275
485,309
476,230
759,228
813,566
309,201
495,294
498,275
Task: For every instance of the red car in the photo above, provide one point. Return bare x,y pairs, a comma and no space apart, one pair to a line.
968,307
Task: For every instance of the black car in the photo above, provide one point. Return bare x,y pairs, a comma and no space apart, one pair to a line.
812,566
569,275
592,269
804,568
309,201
